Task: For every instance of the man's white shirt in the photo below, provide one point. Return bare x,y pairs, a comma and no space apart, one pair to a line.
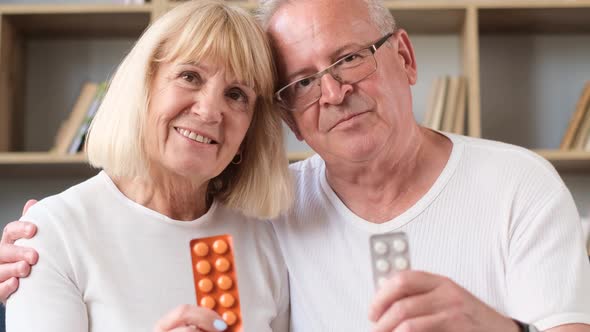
499,221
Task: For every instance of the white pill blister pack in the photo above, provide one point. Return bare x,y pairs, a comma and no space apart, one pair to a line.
390,253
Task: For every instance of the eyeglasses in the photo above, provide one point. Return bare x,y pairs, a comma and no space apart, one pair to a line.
350,69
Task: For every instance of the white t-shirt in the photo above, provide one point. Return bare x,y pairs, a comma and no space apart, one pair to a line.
498,221
109,264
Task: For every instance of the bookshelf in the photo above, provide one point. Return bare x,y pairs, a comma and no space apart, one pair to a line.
544,77
471,23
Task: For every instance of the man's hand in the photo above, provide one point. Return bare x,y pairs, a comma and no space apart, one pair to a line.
190,318
15,262
422,302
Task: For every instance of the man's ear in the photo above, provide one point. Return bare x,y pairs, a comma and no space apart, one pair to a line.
406,54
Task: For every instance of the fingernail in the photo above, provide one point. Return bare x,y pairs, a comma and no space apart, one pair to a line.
219,325
29,229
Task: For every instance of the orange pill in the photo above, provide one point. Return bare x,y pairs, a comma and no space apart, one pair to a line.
220,247
201,249
203,267
222,264
227,300
229,317
206,285
208,302
224,282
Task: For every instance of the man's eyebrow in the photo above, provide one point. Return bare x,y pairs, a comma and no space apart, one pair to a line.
352,46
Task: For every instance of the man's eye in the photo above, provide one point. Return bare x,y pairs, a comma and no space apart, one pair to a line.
305,82
351,58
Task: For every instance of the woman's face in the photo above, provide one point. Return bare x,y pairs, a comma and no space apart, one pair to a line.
197,119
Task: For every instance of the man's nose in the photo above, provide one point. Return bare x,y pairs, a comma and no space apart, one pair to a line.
333,91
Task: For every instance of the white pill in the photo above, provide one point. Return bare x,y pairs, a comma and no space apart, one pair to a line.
382,265
399,245
380,247
400,263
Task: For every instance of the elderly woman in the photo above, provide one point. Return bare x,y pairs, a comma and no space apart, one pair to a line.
189,147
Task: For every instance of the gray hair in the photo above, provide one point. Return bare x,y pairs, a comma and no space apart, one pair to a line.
379,14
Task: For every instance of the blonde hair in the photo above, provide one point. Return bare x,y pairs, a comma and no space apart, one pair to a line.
260,186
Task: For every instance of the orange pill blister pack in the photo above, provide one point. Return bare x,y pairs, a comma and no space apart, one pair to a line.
215,277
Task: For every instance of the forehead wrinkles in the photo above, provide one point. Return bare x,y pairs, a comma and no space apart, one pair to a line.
318,40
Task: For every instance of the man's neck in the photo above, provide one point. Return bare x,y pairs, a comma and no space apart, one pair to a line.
388,185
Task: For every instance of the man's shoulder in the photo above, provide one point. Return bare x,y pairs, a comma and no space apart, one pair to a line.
307,166
495,154
311,162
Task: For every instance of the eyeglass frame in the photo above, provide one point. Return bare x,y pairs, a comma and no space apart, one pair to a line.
373,48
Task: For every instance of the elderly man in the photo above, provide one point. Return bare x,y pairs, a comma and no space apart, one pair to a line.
492,224
494,233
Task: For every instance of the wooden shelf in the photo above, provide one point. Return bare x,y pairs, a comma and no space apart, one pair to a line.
567,161
43,164
78,20
250,5
24,158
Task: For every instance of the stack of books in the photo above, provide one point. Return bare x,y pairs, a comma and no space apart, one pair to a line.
447,105
71,135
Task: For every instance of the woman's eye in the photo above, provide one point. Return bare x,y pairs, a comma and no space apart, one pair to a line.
238,95
190,77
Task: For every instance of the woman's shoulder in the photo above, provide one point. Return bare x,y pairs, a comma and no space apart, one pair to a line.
66,205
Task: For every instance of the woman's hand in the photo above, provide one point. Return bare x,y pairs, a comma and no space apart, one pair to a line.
191,318
15,261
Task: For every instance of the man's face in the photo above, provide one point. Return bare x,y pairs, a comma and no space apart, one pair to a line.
350,122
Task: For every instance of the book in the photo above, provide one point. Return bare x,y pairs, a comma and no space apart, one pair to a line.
586,144
583,133
440,104
459,125
450,110
576,120
80,138
431,102
69,127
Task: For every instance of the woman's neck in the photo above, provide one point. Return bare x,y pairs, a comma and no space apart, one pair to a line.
174,196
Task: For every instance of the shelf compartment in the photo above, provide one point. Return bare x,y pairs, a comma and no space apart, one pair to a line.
554,18
77,20
428,17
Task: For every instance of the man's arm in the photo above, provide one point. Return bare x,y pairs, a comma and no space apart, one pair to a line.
15,261
49,299
548,277
425,302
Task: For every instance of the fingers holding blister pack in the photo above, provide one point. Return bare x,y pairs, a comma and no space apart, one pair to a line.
389,254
